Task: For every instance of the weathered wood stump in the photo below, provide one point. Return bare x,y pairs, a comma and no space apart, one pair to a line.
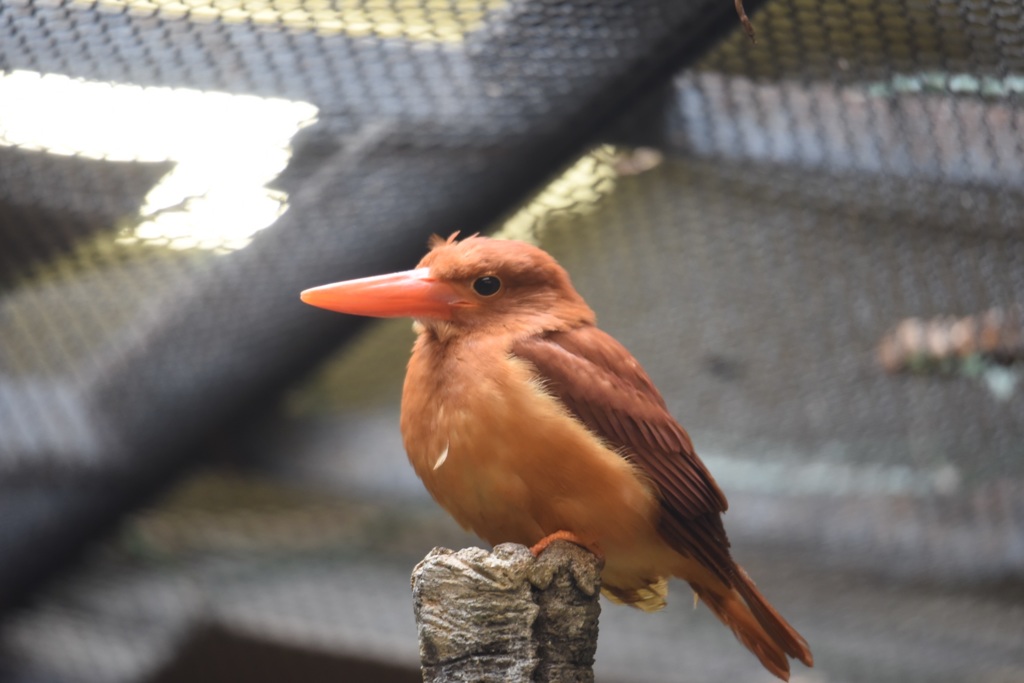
507,616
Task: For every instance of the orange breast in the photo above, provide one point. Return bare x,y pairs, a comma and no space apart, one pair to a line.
516,466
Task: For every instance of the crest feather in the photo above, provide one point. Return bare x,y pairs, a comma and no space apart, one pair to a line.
436,240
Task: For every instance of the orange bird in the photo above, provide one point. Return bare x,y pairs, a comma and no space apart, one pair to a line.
527,423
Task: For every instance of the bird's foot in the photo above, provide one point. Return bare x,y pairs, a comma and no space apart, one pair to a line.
543,543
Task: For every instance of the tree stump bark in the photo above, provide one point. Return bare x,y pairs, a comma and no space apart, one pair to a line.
506,616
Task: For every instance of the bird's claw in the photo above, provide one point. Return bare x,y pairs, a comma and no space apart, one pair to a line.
543,543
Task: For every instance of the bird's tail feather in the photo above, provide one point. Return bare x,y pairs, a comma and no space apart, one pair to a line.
757,625
791,642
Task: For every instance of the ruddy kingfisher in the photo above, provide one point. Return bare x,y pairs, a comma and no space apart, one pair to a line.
528,424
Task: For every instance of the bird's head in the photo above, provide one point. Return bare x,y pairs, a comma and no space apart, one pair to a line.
473,284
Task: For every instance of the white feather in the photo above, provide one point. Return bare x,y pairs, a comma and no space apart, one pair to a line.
441,458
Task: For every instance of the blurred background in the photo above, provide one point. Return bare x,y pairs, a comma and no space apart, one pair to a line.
813,244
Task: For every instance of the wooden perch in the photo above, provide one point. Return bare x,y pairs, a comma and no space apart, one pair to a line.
507,616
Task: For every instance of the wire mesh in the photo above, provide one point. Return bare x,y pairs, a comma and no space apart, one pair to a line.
171,172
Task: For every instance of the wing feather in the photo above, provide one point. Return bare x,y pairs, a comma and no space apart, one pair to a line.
604,387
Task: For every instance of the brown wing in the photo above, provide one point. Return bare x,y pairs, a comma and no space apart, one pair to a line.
601,383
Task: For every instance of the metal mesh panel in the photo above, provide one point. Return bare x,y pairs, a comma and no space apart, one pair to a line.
172,174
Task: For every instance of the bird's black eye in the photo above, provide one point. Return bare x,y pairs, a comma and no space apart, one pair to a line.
488,285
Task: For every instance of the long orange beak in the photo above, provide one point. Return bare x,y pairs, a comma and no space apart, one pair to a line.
411,293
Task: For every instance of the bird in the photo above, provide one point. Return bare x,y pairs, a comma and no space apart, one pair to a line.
528,424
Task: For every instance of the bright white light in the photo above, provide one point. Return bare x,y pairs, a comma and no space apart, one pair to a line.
226,149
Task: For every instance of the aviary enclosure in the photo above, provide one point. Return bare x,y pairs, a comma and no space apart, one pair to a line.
813,244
